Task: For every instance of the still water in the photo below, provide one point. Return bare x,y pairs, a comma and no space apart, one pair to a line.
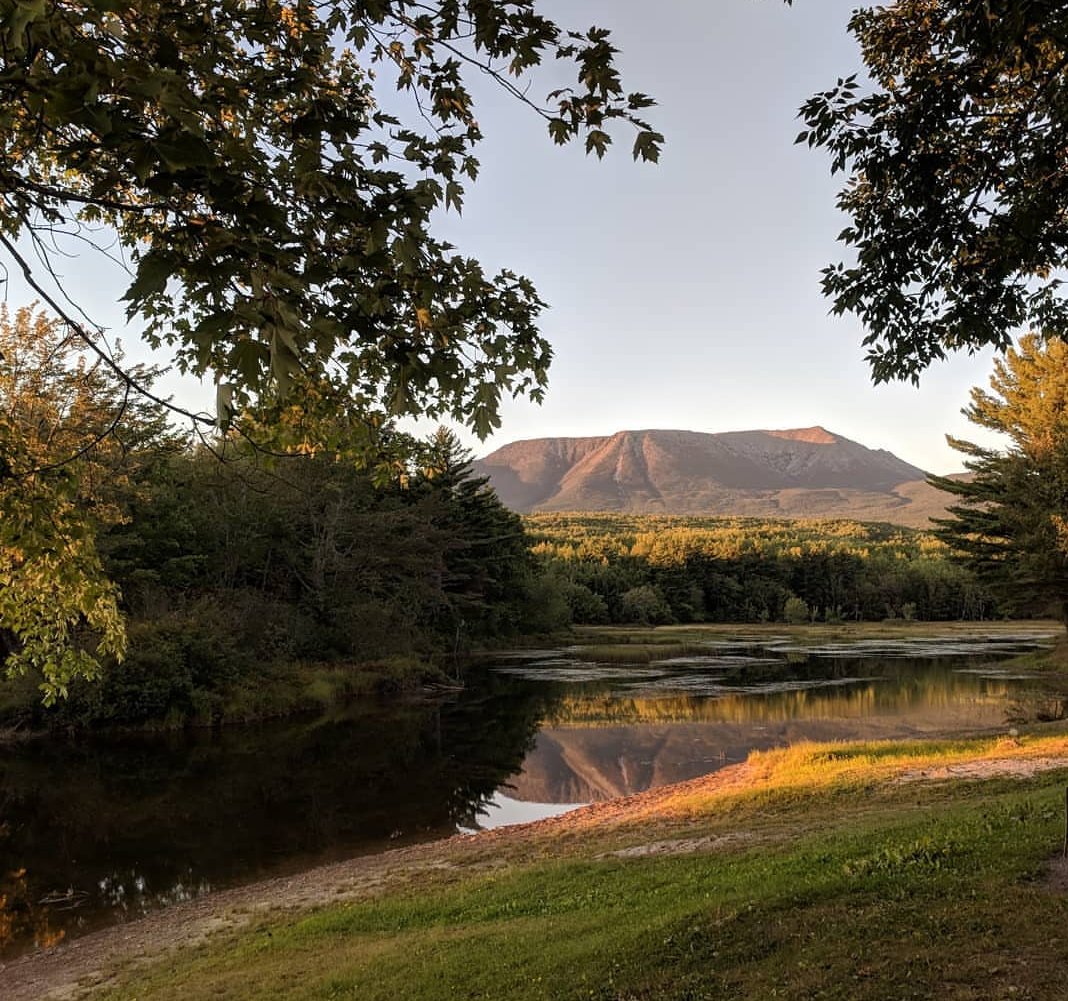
98,831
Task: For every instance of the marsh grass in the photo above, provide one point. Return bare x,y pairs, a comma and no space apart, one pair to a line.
1052,659
277,690
858,888
626,645
816,632
304,687
638,653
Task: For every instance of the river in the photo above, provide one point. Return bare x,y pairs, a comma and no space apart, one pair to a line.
94,831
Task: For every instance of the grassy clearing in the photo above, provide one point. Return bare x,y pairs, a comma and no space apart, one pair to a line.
1053,660
851,886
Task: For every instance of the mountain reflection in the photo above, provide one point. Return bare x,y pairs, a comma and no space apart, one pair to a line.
596,745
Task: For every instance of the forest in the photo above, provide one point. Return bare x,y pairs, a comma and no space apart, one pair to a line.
217,580
252,589
662,569
183,579
205,579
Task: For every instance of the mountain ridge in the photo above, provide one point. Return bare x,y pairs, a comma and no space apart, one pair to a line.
792,473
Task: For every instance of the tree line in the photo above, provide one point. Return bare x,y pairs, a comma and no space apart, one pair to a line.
660,569
148,131
194,578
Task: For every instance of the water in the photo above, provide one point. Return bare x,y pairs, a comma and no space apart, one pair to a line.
95,831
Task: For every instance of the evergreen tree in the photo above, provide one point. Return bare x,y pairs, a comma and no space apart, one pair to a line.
488,564
1009,524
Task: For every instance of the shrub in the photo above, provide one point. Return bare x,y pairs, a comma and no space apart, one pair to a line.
645,606
796,610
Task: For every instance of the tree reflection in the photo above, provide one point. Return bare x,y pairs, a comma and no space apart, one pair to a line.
101,830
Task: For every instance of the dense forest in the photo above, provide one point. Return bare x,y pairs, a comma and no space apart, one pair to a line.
253,585
660,569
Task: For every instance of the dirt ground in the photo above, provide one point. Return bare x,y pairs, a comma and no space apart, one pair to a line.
74,968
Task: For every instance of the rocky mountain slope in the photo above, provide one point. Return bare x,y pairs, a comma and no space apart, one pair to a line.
798,473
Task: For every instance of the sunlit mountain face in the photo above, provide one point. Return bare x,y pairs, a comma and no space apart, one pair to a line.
800,472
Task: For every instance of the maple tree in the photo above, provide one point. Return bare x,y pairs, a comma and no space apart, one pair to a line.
276,217
954,152
70,436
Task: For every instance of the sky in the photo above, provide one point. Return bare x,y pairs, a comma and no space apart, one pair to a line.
686,294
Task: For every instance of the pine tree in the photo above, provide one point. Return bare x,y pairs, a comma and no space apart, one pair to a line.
488,564
1009,524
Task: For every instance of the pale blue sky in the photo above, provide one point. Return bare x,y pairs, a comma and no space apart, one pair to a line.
684,295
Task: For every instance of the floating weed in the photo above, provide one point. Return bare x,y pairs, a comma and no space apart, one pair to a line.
637,653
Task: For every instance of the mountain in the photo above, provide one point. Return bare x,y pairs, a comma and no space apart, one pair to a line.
798,473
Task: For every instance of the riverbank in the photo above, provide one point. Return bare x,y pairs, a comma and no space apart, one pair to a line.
859,871
275,691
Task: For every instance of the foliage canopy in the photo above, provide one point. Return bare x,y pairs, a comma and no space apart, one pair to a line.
70,437
275,213
1010,524
956,189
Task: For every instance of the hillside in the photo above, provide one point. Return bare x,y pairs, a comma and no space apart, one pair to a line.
798,473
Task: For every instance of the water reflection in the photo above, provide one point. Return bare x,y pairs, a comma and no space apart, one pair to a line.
611,734
97,831
94,831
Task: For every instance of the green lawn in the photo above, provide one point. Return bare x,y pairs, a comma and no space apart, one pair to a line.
850,886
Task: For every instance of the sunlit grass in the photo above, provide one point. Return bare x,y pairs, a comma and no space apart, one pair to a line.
853,886
818,632
810,768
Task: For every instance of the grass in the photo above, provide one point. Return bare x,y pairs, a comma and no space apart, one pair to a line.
849,886
1053,660
637,653
288,689
819,631
642,645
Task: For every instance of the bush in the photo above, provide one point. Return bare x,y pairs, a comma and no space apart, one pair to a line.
586,607
795,611
546,608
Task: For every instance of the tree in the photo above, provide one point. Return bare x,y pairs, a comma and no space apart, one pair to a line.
1009,525
488,565
795,610
70,435
956,188
276,214
645,605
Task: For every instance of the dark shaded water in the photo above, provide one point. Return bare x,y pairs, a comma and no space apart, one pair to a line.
97,831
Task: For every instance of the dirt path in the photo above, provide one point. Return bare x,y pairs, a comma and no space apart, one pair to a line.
73,968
